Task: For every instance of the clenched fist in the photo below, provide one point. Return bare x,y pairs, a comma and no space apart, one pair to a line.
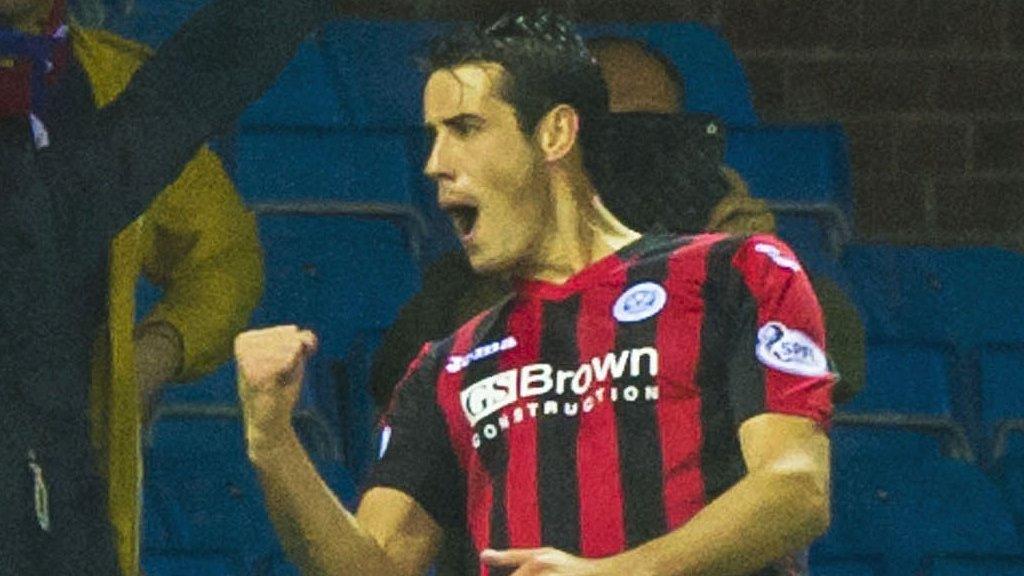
271,363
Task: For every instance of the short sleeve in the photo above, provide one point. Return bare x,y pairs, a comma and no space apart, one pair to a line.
417,457
777,362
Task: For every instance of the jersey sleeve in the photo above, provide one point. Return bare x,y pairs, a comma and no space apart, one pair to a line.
778,362
417,457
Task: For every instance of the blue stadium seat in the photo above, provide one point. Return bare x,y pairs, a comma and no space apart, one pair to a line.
806,163
844,567
302,96
357,410
714,78
278,163
905,378
976,566
803,171
285,568
970,296
1008,473
1002,384
374,67
198,469
216,388
896,495
899,291
336,276
187,564
159,530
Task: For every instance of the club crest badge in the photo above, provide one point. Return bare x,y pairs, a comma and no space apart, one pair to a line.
640,302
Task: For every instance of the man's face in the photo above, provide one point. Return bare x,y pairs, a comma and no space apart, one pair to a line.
490,175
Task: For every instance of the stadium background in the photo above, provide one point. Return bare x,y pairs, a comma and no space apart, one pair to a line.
902,119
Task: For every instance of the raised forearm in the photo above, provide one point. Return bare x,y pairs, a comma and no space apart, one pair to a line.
316,530
760,519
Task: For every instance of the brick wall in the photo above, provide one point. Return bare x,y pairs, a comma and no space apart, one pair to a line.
931,93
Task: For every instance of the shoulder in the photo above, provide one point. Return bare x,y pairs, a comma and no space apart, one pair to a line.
765,254
687,251
733,267
468,332
741,251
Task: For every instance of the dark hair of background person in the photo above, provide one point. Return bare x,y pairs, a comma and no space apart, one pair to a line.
545,62
655,166
659,172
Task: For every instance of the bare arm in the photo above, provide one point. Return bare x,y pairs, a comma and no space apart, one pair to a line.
781,506
392,535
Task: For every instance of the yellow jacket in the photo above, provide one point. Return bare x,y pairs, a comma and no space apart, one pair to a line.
739,212
199,243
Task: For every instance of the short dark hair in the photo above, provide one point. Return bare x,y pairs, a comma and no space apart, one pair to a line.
546,64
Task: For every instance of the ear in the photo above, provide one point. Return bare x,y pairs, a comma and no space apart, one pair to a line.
558,132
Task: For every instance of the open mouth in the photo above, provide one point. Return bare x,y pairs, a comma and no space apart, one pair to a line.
464,218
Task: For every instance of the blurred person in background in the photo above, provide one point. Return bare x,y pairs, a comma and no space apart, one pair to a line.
641,404
641,79
82,159
196,241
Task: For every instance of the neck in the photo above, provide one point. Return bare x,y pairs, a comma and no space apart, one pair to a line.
30,19
584,231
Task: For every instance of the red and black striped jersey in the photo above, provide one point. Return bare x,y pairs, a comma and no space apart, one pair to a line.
597,414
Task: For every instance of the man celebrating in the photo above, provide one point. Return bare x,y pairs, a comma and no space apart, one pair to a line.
640,405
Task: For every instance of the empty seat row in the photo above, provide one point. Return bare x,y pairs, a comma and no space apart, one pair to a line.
899,498
968,296
944,333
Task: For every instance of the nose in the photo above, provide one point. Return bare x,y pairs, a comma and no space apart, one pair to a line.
437,167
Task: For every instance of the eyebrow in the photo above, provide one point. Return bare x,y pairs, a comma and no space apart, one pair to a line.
457,120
